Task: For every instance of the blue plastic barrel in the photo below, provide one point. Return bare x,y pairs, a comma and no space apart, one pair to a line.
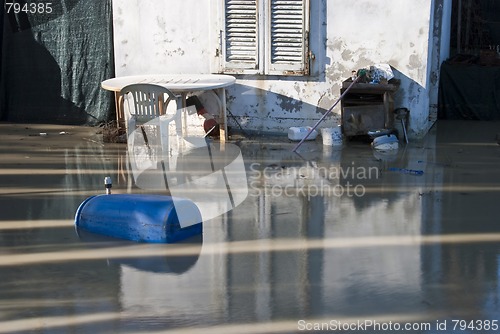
137,217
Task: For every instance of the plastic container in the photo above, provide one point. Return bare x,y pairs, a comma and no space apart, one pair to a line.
298,133
379,132
386,143
332,136
145,218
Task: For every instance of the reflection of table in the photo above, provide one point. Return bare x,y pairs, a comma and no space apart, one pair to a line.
367,107
179,84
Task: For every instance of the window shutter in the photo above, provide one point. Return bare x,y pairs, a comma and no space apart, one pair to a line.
241,36
288,37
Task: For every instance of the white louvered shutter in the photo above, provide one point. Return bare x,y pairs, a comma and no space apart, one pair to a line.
287,46
241,36
264,37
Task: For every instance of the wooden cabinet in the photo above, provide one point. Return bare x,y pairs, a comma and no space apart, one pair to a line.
367,107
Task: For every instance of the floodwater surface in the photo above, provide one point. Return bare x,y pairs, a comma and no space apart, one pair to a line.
327,240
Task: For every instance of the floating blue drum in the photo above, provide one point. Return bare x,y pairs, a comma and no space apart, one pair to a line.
137,217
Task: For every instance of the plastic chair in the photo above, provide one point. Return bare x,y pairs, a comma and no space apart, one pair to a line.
147,104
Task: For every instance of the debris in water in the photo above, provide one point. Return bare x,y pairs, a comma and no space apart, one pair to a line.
406,171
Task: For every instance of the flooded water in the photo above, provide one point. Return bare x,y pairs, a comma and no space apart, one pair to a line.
327,241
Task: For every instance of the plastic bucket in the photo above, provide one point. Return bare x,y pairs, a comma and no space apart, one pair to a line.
332,136
146,218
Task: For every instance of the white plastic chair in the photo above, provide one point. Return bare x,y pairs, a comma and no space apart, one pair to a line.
147,103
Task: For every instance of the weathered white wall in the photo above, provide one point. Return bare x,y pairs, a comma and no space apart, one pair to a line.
384,31
156,36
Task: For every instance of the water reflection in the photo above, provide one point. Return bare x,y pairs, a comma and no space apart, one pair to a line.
411,248
179,258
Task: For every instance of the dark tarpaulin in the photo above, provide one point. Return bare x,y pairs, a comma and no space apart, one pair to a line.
469,91
1,43
54,57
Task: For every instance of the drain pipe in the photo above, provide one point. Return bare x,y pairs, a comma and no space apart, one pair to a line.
362,74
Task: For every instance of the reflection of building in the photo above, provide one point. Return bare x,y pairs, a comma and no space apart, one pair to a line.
276,284
462,276
293,256
199,292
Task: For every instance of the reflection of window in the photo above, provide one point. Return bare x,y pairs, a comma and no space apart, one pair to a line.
265,37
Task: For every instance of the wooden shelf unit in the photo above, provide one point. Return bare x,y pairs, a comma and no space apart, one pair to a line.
367,107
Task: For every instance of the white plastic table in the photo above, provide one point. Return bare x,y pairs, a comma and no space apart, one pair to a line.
179,84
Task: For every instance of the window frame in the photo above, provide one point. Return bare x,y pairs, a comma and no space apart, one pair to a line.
263,64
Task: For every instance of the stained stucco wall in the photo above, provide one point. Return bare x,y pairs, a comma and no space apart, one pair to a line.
156,36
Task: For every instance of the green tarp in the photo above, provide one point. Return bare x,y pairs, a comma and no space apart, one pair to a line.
54,57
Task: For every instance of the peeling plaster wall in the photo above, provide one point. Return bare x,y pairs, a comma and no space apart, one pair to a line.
156,36
384,31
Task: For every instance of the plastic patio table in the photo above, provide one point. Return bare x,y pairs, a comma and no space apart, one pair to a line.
180,84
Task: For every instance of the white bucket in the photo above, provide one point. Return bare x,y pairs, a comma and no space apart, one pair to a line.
332,136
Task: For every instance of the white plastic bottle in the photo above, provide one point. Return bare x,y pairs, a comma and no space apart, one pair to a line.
299,132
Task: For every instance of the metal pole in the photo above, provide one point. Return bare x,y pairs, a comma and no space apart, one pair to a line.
323,117
108,184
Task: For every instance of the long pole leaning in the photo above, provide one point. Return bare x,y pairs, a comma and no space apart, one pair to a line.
326,114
